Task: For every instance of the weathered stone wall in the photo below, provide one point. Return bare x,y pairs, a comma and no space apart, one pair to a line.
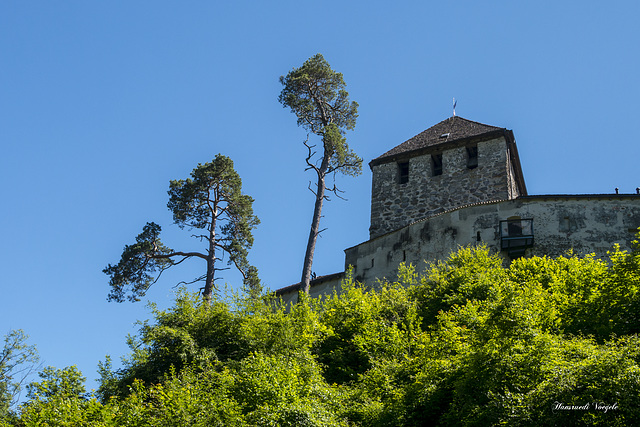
394,205
513,186
586,223
319,287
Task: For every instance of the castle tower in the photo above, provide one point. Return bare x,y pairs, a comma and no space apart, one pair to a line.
452,164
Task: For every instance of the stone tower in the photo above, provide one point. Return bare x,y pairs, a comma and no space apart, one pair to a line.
452,164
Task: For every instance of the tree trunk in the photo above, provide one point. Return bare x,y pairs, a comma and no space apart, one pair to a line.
305,283
207,293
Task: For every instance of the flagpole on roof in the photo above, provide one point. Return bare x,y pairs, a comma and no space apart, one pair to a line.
454,107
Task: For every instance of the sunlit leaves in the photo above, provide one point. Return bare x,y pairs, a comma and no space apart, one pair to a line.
67,382
497,346
17,360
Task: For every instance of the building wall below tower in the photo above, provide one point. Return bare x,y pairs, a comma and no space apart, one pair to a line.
584,223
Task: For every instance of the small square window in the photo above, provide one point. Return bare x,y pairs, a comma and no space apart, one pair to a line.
403,172
436,164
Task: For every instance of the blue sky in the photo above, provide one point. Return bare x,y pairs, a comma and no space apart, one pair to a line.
102,103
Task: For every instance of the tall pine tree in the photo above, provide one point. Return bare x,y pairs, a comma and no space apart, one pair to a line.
210,201
317,96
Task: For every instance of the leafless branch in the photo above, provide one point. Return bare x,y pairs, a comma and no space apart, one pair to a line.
199,279
180,262
310,155
335,190
182,254
334,169
201,236
162,269
311,189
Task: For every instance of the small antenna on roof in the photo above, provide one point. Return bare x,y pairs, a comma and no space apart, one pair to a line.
454,107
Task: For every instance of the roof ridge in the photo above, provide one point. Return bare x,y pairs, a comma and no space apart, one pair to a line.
476,122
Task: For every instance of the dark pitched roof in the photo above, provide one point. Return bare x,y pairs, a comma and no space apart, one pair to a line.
453,129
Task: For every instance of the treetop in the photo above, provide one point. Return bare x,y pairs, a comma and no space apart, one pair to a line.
317,95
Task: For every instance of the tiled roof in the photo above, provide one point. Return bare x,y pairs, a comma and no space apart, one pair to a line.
447,131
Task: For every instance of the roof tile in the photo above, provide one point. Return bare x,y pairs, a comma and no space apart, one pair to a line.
447,131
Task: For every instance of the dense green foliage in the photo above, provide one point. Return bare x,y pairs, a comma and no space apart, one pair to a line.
542,342
67,382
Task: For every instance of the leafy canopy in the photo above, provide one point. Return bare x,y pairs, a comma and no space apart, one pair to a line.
67,382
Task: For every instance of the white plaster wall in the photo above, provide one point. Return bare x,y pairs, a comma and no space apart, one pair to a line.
324,287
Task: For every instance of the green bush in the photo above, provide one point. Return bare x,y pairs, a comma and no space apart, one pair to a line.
470,342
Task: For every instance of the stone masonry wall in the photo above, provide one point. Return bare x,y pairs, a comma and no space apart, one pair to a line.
394,205
319,288
584,223
513,186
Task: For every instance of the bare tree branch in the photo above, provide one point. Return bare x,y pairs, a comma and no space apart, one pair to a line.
311,189
183,254
199,279
335,190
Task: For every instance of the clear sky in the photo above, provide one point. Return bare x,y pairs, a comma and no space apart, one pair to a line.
102,103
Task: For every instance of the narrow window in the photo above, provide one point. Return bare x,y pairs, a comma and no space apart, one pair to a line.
436,163
403,172
472,157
